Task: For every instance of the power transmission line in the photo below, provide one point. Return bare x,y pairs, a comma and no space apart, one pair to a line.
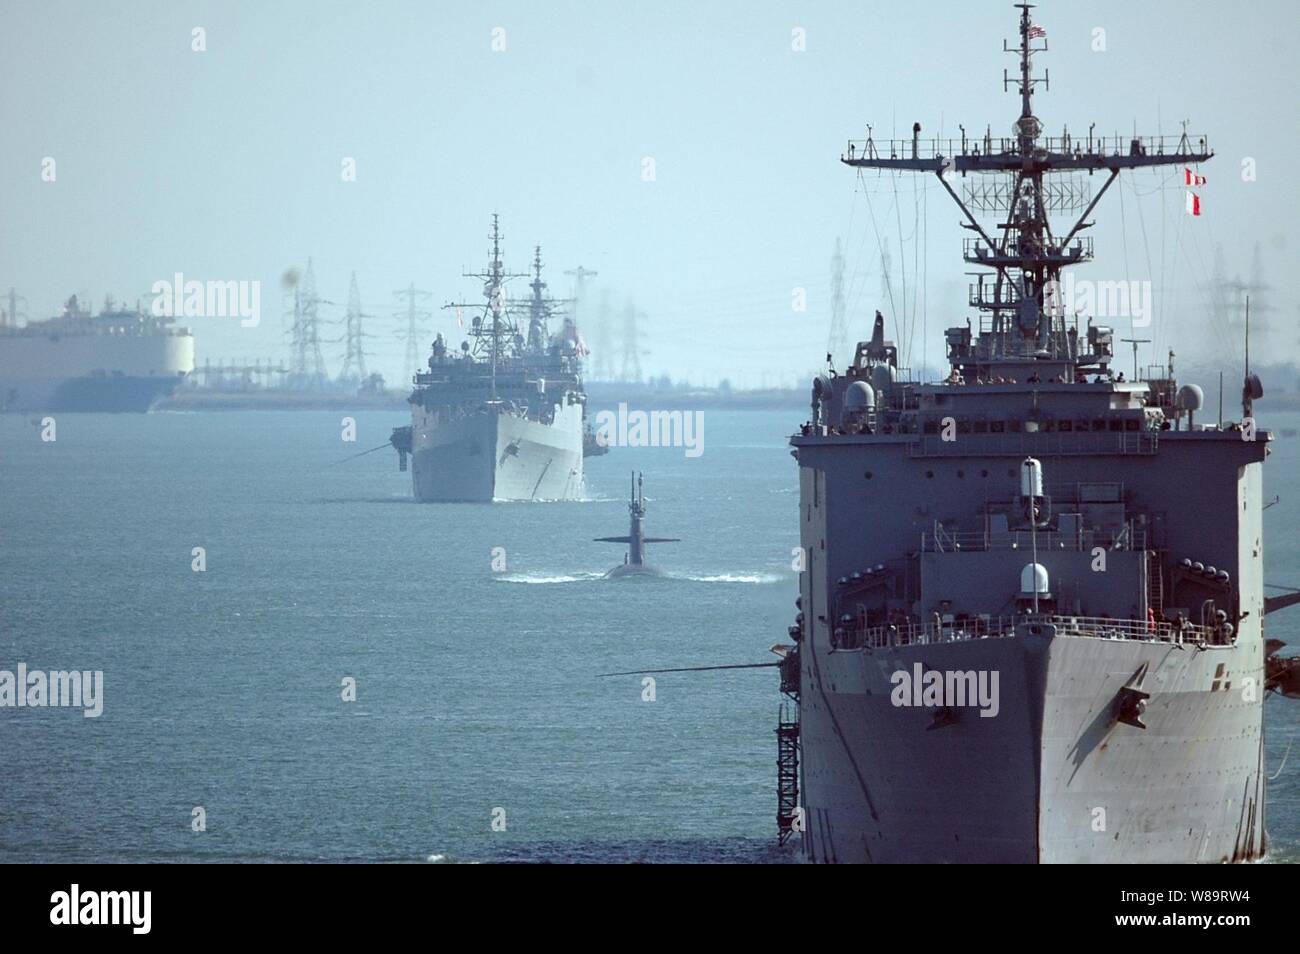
838,340
415,317
354,358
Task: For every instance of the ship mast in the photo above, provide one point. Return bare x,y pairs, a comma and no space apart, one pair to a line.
537,324
492,291
1026,257
494,281
541,307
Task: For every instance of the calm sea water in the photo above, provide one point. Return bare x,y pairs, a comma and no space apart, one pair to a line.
476,690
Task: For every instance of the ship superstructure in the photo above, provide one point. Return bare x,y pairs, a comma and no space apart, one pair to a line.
1031,621
118,360
503,418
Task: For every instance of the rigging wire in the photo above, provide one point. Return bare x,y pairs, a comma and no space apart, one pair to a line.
889,288
1210,296
916,258
847,315
925,280
853,293
1285,756
1147,247
1123,226
1161,326
901,317
861,273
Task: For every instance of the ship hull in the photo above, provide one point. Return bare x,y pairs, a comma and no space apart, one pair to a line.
486,456
632,571
89,394
91,372
1053,777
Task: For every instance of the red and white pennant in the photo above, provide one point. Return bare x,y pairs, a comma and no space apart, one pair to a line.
1190,178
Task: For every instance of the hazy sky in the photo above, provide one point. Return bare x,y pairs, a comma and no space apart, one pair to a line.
226,164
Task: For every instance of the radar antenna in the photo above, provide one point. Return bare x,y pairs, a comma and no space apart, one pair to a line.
495,324
1026,255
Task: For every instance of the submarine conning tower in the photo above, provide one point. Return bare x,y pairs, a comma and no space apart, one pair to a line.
636,538
636,514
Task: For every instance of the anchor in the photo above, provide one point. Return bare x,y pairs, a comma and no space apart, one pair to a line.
1131,702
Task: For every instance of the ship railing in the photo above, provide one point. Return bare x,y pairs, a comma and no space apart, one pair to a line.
914,634
1063,145
1106,627
976,250
941,540
1057,346
992,295
1036,443
1084,491
990,627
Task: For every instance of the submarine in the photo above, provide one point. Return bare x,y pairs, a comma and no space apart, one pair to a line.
634,560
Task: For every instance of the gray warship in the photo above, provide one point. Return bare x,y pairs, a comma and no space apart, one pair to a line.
503,419
1031,616
634,560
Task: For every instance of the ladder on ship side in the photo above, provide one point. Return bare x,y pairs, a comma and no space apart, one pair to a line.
1156,585
787,774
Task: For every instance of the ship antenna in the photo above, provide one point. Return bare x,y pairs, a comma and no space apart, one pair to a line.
1026,87
1247,336
1135,342
1220,400
494,299
1247,404
494,280
538,328
1028,256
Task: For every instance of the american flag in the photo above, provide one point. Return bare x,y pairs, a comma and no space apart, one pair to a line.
1036,31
